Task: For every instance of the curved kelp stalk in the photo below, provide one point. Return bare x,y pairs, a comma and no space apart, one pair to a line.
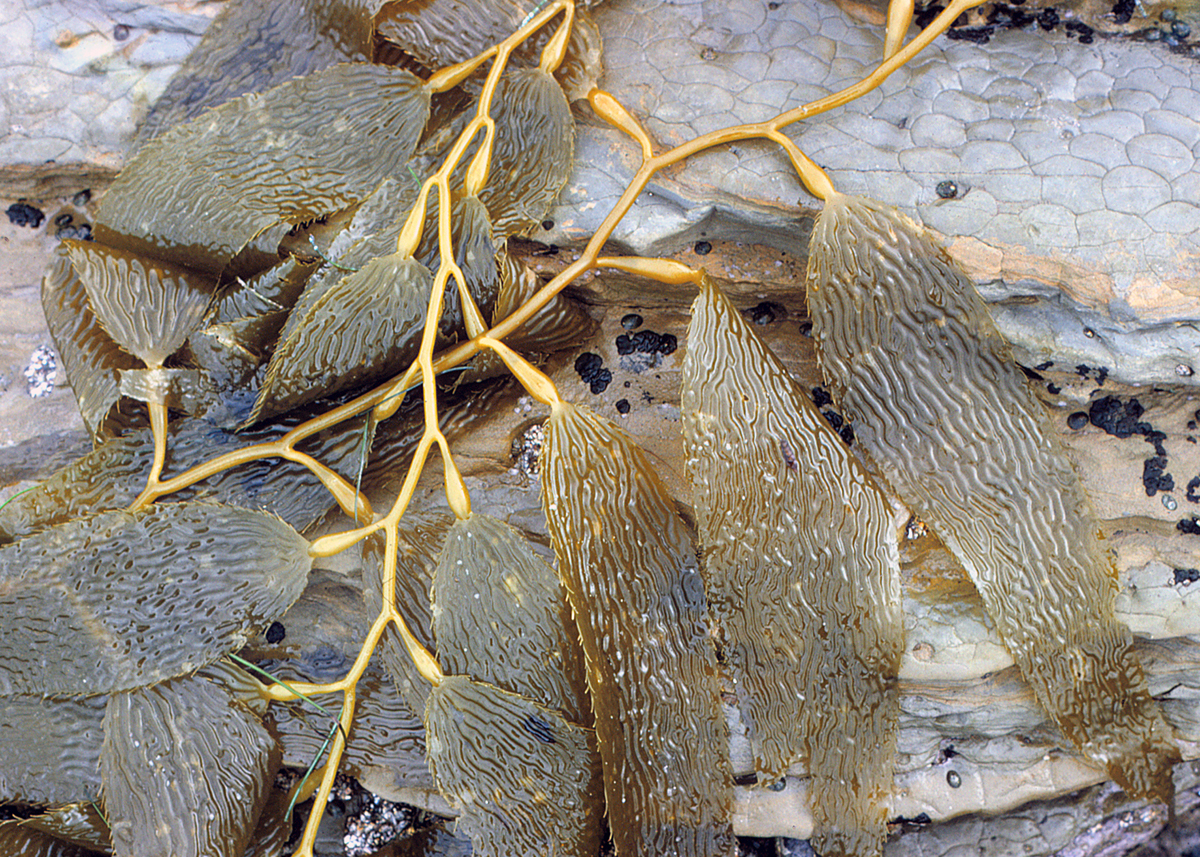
948,420
802,572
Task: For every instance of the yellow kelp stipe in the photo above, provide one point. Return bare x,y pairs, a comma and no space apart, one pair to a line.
911,352
629,567
802,571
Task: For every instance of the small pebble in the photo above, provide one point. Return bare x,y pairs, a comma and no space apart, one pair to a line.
121,32
1153,35
1169,15
276,633
953,779
762,314
1169,503
703,248
1077,420
1181,30
632,321
947,189
547,224
778,786
63,219
82,198
1184,371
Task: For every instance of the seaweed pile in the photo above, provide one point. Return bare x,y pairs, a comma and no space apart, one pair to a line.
303,286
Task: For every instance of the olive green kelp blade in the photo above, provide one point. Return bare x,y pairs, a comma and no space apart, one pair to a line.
76,825
90,356
122,600
527,780
533,153
147,307
629,567
500,616
367,325
186,770
802,572
309,147
946,416
112,475
255,44
18,839
49,749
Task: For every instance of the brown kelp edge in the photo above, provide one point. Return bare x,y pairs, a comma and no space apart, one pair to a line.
239,343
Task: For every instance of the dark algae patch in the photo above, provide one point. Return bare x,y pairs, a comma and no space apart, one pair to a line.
1123,419
1185,576
592,372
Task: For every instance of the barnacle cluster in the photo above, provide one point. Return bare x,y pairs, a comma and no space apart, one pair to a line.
312,282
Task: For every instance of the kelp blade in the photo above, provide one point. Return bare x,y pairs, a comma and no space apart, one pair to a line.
500,616
111,475
186,770
90,356
20,839
49,749
368,325
629,567
528,781
253,45
78,824
909,348
308,147
802,572
534,150
147,307
122,600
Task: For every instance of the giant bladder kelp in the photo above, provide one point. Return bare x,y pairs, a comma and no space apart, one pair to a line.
344,234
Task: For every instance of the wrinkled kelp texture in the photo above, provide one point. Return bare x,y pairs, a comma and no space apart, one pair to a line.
911,353
147,307
91,359
528,780
500,616
186,770
629,566
802,572
253,45
122,600
49,749
309,147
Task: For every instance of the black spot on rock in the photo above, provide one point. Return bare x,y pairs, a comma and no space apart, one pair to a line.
276,633
23,214
1122,10
625,344
840,425
82,198
547,224
1048,19
975,35
1192,487
631,321
1153,477
1042,367
667,344
821,397
63,219
946,189
622,406
1189,526
1120,419
703,248
1186,575
1030,373
1053,389
1077,420
646,341
600,381
587,365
